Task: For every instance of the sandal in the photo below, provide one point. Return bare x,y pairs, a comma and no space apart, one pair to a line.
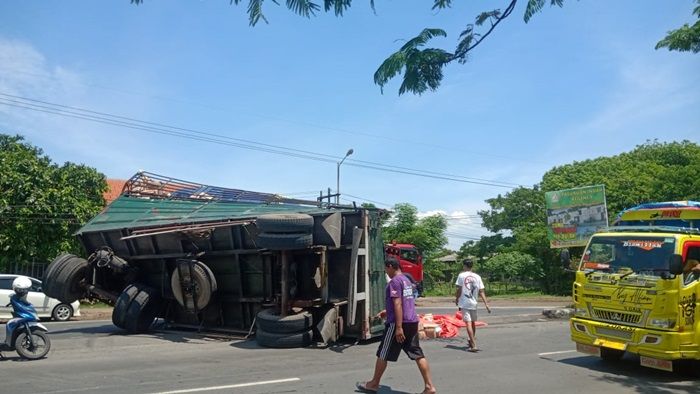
363,388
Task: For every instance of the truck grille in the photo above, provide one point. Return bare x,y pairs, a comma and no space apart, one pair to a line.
617,317
612,332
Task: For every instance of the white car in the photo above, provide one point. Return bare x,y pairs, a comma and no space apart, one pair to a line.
46,307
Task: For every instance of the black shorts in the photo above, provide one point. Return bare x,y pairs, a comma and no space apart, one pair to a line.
389,348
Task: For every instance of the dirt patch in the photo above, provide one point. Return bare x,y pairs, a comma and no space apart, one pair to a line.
95,314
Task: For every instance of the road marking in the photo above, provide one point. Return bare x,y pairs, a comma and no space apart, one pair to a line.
493,307
560,352
231,386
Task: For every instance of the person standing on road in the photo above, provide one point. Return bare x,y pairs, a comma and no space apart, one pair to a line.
400,331
469,285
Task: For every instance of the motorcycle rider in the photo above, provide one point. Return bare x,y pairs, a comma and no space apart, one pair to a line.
23,310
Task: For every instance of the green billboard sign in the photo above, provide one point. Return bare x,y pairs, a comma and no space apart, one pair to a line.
573,215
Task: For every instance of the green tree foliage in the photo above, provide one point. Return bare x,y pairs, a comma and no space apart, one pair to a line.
512,266
684,39
427,234
422,68
653,171
42,203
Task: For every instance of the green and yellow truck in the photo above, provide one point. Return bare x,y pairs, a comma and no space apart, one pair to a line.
636,291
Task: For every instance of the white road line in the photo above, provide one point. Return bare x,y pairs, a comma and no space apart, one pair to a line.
560,352
231,386
493,307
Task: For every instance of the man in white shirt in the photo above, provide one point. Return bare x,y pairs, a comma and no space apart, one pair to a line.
469,285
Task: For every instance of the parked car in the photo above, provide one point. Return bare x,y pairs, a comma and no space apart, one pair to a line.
46,306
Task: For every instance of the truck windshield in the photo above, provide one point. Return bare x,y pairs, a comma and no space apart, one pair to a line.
409,254
641,255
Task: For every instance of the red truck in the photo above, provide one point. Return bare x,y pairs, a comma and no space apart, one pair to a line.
411,262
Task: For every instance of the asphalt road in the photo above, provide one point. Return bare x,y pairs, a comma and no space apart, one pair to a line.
533,357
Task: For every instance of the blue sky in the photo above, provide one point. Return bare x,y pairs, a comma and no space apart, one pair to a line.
575,83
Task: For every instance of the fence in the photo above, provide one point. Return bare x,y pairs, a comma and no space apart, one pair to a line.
33,269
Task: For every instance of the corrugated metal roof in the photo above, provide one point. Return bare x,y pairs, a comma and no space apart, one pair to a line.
138,212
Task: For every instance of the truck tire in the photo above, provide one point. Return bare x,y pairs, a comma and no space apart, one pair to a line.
271,322
286,241
204,284
142,310
285,223
63,277
122,304
276,340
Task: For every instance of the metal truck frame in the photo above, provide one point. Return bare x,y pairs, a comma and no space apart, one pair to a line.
212,258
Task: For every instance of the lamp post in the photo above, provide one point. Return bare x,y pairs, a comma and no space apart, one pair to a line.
337,178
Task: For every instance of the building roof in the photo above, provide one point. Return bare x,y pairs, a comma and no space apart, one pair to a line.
114,189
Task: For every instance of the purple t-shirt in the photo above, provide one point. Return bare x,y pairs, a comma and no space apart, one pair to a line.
400,287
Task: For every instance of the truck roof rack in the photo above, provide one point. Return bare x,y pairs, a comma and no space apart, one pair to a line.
150,185
654,229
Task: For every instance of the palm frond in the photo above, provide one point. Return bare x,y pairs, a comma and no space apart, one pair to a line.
489,15
305,8
389,69
255,13
440,4
423,38
535,6
338,6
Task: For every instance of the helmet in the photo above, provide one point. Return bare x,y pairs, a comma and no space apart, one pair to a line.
21,285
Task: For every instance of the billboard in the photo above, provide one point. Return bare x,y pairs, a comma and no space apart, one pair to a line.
573,215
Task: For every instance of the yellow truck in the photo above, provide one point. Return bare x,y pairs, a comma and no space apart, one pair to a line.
637,288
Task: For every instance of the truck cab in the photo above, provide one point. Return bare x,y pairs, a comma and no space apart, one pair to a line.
635,289
410,260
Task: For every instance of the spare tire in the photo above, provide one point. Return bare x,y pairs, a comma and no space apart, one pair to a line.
63,277
203,281
286,241
142,311
276,340
285,223
270,321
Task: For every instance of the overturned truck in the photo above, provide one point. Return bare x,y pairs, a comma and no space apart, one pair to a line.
297,272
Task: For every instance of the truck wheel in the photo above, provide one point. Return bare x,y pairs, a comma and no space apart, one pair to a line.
204,285
63,277
122,304
142,310
285,223
270,321
611,354
276,340
288,241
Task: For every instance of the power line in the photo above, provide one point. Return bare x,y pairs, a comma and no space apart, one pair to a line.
159,128
303,123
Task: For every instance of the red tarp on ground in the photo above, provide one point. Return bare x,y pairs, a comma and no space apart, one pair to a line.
449,325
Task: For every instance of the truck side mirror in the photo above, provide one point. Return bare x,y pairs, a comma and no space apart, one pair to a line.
565,258
675,264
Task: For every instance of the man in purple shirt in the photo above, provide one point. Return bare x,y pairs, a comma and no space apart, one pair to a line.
401,330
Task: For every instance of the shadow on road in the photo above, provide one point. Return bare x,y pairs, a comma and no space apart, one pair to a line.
628,373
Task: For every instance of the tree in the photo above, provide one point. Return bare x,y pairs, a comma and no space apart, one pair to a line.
42,204
686,38
427,234
422,68
512,267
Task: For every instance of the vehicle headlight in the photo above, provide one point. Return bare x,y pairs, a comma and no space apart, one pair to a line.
581,312
663,323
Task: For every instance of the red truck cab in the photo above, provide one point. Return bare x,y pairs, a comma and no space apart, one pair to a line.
410,259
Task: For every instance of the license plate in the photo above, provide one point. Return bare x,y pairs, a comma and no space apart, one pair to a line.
665,365
588,349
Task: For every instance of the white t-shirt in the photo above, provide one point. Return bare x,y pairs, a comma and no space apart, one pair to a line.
470,283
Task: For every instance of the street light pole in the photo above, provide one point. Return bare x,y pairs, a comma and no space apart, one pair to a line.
337,177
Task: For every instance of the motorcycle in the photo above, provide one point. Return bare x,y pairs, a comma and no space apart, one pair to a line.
25,334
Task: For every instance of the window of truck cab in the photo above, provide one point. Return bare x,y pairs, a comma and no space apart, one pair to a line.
646,255
409,255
